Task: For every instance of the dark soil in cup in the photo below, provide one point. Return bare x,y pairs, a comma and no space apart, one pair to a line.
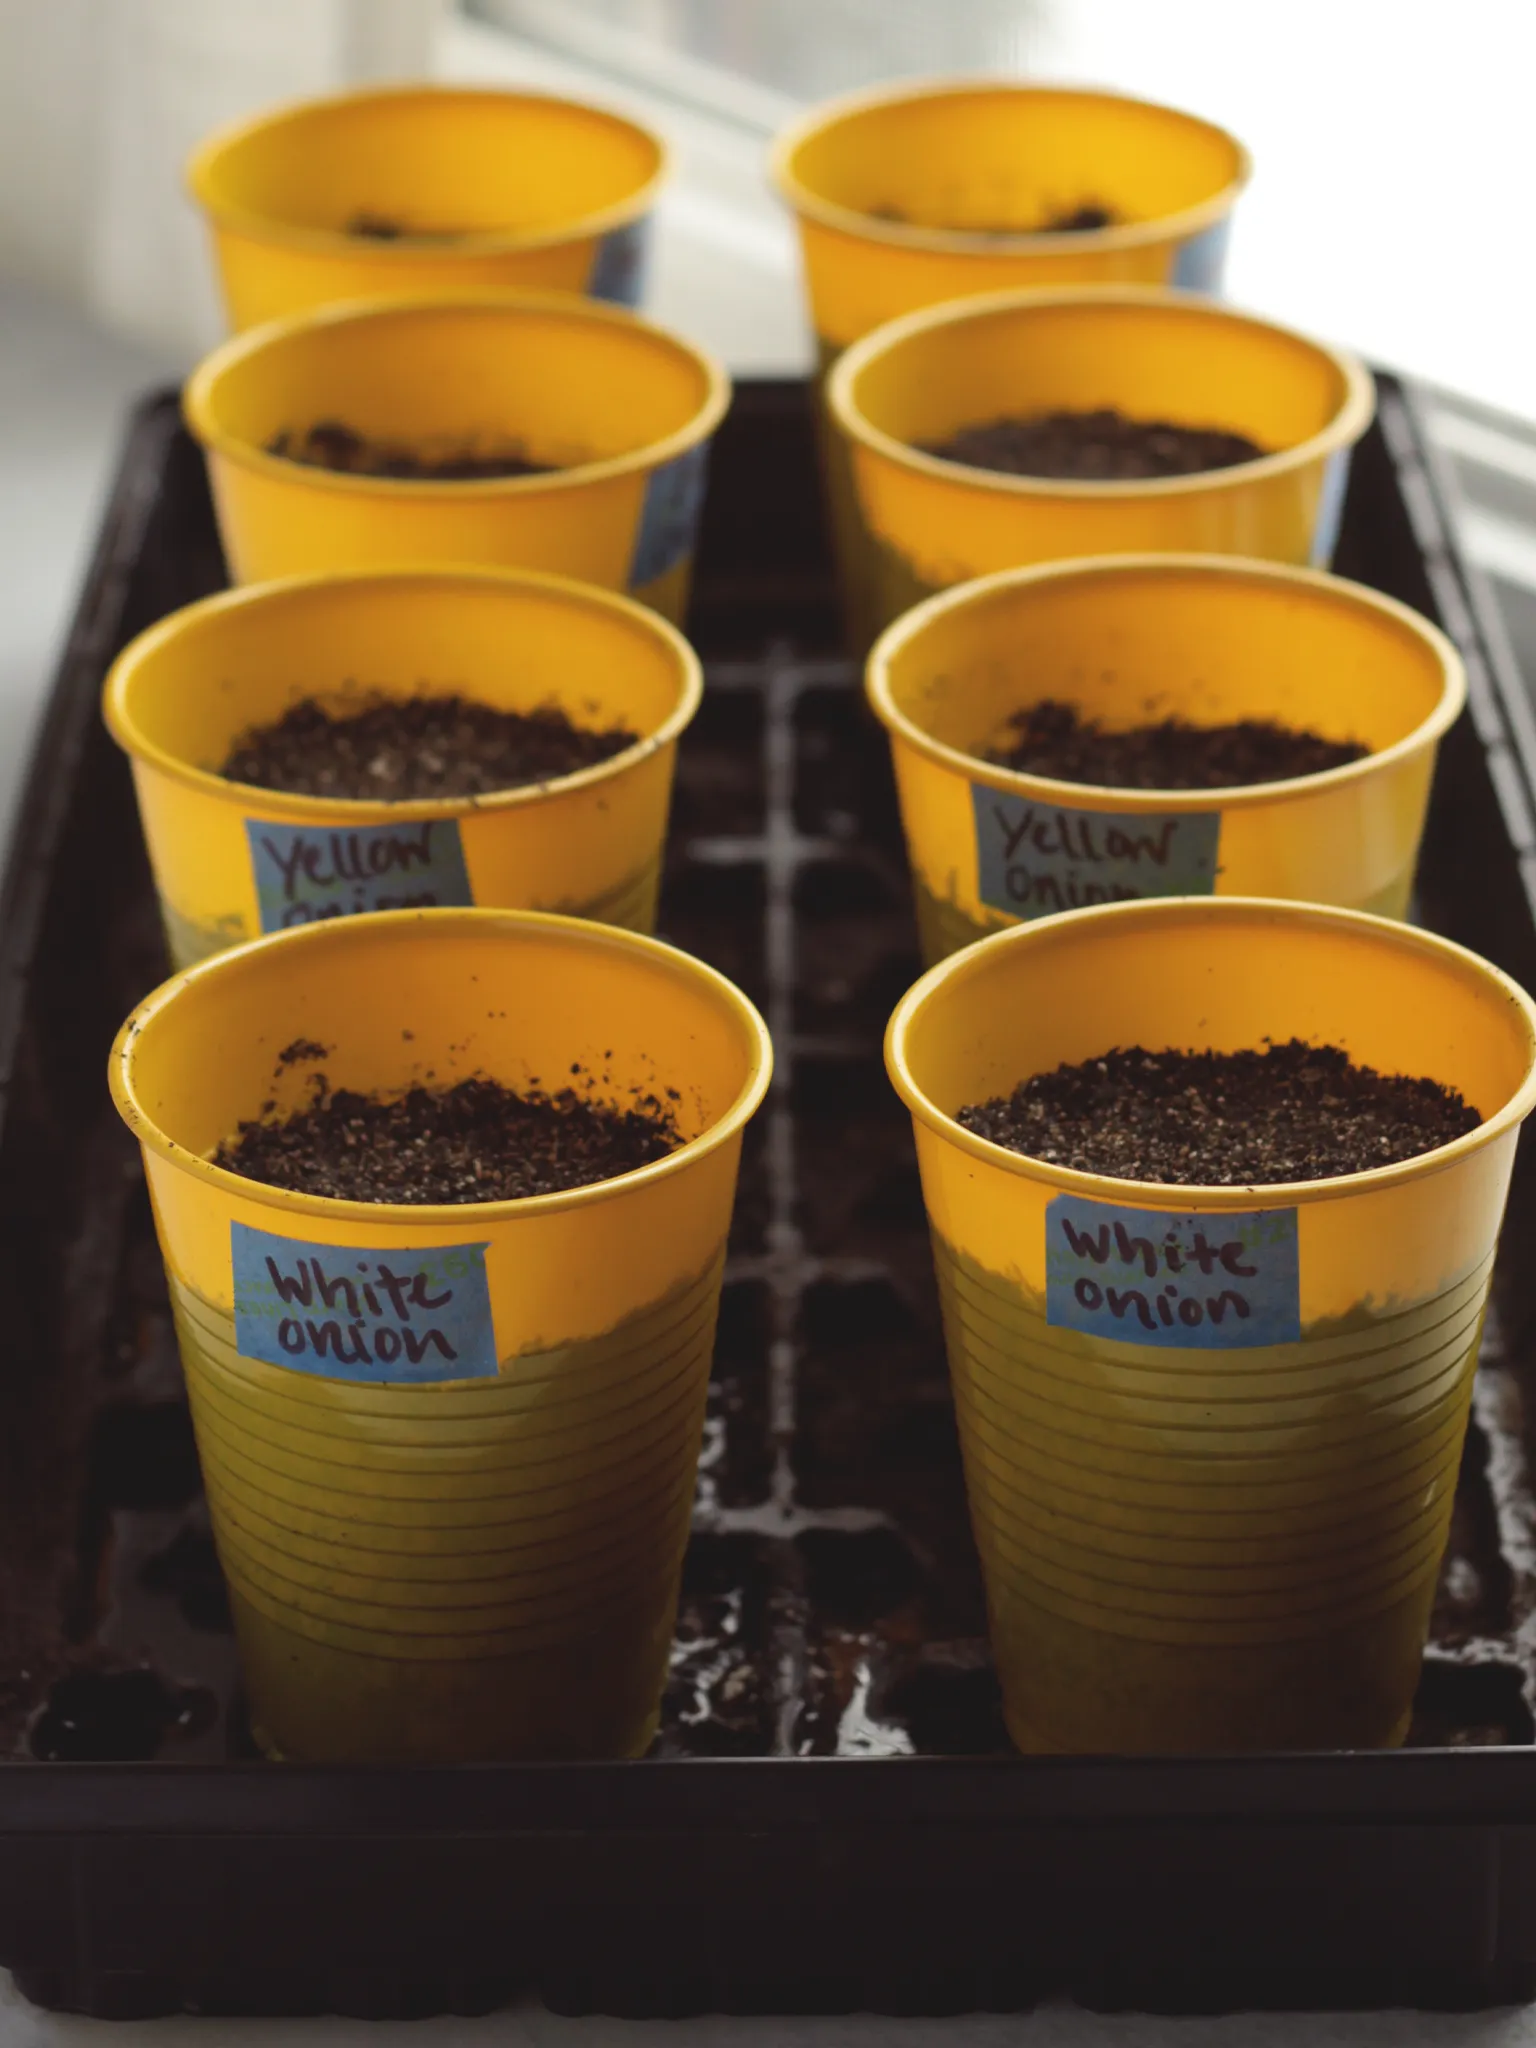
1078,220
374,227
401,749
1223,1119
380,227
1092,447
474,1142
332,444
1084,218
1056,740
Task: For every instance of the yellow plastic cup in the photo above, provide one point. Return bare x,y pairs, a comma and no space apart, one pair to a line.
626,408
449,1451
1132,638
232,861
486,190
973,167
931,523
1211,1434
913,194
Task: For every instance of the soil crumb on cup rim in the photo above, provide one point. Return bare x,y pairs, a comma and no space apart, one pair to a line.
1292,1112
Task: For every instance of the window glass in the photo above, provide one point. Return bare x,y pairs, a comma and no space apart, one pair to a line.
794,49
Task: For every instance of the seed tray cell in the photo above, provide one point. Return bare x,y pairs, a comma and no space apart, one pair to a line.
831,1817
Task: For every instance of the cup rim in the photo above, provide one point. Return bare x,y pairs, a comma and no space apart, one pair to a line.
1354,414
202,167
377,928
806,202
359,810
199,395
974,959
1226,568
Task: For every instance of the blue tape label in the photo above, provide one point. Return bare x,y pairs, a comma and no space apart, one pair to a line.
1330,508
1033,858
1222,1281
620,265
356,1313
1201,262
669,517
303,874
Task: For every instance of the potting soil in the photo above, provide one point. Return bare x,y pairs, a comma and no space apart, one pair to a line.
1057,740
1102,445
410,748
332,444
474,1142
1222,1119
1084,218
380,227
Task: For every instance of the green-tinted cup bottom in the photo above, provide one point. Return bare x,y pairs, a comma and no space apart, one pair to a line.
1069,1687
1188,1550
428,1554
516,1613
317,1701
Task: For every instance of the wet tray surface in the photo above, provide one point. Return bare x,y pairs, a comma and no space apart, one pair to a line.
832,1607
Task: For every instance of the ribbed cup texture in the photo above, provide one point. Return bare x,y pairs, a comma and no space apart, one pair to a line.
472,1540
1204,1549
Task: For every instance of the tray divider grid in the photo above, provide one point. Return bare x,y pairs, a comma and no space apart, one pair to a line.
784,1265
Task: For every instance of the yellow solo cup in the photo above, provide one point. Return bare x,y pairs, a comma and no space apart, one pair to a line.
914,194
449,1451
462,189
1150,354
232,861
1211,1434
623,410
1133,638
917,193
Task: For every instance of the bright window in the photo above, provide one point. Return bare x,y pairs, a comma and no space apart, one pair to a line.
1391,148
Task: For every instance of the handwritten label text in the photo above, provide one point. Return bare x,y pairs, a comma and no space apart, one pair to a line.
1033,859
358,1313
303,873
1214,1281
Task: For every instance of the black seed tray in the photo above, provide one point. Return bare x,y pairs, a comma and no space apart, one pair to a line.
831,1818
